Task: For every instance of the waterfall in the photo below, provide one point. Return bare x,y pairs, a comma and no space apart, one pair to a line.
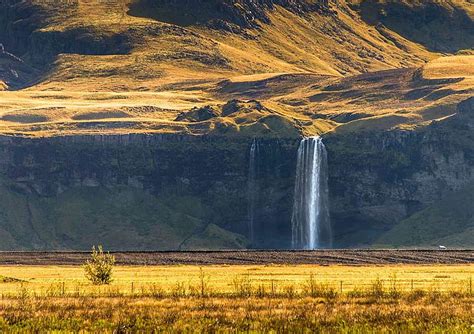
310,222
252,191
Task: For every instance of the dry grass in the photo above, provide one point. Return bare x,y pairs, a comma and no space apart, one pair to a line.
311,104
38,279
291,65
450,314
240,298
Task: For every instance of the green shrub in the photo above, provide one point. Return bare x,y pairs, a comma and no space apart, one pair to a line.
376,289
98,269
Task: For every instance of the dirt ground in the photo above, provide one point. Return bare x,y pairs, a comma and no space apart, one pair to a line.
322,257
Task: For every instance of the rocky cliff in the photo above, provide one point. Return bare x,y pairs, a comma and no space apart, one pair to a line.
141,192
380,179
181,192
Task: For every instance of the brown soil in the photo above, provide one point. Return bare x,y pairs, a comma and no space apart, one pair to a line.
324,257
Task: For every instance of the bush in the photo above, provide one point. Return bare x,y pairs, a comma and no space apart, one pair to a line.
98,269
376,289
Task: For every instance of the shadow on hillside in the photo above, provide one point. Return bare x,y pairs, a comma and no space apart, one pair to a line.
217,14
436,25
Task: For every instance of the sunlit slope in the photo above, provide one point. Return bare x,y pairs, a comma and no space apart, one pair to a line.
135,66
268,105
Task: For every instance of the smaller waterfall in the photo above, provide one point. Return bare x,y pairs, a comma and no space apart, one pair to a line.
252,188
310,223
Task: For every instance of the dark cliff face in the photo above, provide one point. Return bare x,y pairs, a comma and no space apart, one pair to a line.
379,179
190,192
231,15
205,178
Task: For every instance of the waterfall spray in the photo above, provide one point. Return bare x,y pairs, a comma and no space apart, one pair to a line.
310,223
252,191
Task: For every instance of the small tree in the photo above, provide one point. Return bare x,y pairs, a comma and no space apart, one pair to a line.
98,269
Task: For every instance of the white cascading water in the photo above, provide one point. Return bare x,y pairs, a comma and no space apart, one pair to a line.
252,191
310,223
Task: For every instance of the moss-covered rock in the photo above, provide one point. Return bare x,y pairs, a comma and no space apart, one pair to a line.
381,178
140,192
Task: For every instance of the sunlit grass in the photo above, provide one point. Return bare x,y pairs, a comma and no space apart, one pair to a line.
401,298
221,278
291,66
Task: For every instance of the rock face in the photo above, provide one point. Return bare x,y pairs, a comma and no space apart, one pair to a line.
181,192
231,15
380,179
186,192
207,177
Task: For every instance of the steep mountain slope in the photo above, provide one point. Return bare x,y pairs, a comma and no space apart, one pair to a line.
442,26
151,103
135,65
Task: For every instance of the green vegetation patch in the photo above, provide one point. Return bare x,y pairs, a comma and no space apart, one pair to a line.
448,222
6,279
119,218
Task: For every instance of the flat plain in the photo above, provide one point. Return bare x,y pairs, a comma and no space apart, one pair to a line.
254,257
240,298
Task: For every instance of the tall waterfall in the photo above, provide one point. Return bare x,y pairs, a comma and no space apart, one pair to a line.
310,223
252,192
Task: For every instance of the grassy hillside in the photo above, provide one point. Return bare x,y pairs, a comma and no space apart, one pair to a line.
441,26
449,222
118,218
134,66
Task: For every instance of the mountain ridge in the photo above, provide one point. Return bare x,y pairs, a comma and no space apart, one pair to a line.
106,63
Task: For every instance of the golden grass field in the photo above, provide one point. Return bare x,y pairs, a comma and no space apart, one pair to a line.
286,298
220,278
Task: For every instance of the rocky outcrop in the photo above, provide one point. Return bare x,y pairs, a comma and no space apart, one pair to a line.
199,114
211,171
229,15
14,72
378,179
